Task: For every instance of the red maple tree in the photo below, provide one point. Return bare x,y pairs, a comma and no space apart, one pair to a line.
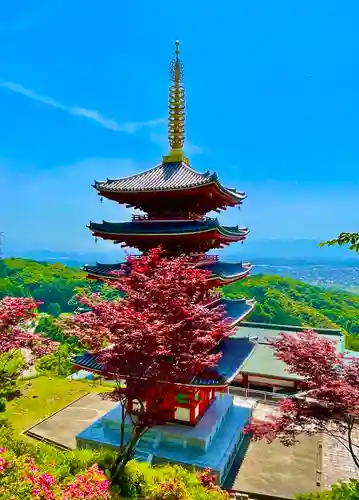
329,398
16,329
17,332
161,332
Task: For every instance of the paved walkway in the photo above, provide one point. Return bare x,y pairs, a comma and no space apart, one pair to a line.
277,470
63,427
337,461
274,469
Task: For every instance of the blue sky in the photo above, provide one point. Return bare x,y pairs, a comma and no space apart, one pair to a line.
272,107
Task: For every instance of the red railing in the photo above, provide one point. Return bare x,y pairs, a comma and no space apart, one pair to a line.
159,218
195,258
202,257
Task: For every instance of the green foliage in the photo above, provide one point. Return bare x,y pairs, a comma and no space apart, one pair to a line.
279,300
52,284
291,302
49,327
12,484
11,365
140,480
164,482
63,465
341,491
58,364
351,239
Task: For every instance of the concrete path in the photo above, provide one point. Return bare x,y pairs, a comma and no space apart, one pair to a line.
63,427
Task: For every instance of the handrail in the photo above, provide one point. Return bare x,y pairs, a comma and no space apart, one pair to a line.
255,394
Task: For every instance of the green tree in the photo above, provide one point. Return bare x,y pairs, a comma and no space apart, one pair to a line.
351,239
54,309
58,364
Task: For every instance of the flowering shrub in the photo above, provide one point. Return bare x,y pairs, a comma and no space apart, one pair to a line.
20,479
17,315
166,483
172,489
207,478
93,484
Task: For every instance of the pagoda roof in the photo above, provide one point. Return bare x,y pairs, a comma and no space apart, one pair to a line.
227,270
234,353
166,227
237,309
165,177
223,271
235,350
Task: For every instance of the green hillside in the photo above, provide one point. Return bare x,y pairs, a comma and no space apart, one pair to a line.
292,302
52,284
279,300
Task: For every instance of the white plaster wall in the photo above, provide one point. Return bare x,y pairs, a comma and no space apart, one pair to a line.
182,414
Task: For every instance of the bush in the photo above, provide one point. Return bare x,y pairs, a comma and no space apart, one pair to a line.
63,465
58,364
165,482
2,405
341,491
61,468
11,366
20,478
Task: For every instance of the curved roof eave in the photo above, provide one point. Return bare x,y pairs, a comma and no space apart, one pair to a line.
199,180
184,173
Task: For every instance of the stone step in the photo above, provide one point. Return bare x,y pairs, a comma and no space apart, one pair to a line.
143,456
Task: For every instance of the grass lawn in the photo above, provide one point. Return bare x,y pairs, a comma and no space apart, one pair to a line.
42,396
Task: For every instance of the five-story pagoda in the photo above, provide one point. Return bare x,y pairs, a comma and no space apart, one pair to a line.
174,200
206,429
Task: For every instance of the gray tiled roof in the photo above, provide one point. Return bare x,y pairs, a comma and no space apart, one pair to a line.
234,350
227,270
168,176
171,227
264,331
222,270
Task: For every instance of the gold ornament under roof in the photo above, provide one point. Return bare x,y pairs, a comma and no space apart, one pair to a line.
176,111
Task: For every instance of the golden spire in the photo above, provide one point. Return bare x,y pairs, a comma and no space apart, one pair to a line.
176,111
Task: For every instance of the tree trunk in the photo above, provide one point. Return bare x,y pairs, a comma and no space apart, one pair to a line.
123,417
350,442
125,456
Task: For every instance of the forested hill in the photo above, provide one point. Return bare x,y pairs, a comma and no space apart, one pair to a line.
292,302
279,300
53,284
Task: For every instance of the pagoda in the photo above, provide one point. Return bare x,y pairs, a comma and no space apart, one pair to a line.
207,428
174,200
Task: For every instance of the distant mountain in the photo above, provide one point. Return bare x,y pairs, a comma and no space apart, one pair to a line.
287,301
72,259
271,252
293,252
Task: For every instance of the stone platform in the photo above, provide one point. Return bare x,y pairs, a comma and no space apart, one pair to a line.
214,442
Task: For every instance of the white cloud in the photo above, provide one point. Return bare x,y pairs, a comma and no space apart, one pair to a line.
89,114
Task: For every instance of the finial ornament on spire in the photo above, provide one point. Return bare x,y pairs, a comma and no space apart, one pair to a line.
176,109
